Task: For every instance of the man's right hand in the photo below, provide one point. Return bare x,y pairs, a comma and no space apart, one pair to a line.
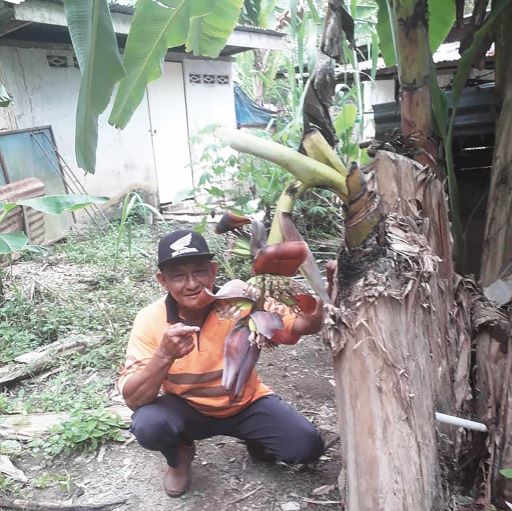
143,386
177,341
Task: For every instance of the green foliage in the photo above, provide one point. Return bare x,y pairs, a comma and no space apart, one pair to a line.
51,204
133,206
233,263
241,182
210,25
95,44
84,431
203,26
96,299
66,391
48,480
506,472
24,326
441,17
5,405
8,486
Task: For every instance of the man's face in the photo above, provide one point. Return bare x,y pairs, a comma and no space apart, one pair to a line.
186,278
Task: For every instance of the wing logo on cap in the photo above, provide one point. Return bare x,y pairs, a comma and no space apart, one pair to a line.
182,242
181,246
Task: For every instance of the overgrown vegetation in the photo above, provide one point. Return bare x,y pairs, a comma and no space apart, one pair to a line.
84,431
78,288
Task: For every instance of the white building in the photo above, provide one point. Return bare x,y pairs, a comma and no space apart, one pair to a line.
153,153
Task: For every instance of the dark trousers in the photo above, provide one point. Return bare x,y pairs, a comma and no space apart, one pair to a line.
170,421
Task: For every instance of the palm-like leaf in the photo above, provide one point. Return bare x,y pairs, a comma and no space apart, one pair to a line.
51,204
156,27
208,33
203,25
12,242
95,44
57,204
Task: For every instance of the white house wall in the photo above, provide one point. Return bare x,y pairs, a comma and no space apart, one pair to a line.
210,100
170,132
45,95
374,93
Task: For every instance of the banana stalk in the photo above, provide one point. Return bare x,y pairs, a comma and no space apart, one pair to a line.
317,147
285,204
305,169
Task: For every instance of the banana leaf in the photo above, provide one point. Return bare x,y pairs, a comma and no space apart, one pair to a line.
95,45
12,242
57,204
209,32
156,27
202,25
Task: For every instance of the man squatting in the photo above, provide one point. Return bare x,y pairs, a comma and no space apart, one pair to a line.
163,355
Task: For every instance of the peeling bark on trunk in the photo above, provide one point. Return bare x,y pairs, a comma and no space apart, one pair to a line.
494,359
391,359
403,333
497,247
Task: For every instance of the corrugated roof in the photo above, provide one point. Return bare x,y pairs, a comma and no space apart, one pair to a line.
258,30
128,7
447,52
122,6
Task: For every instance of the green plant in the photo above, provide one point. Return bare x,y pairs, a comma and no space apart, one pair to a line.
51,479
5,404
83,431
133,205
242,182
50,204
8,486
63,393
506,472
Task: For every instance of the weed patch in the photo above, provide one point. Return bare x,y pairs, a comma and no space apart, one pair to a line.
84,431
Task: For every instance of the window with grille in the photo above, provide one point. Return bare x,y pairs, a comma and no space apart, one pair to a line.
209,79
57,60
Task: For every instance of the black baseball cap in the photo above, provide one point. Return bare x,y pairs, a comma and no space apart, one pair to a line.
180,244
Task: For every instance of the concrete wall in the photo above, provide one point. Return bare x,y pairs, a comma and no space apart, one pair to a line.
374,93
45,95
207,103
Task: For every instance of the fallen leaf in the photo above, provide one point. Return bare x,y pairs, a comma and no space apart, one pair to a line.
323,490
6,467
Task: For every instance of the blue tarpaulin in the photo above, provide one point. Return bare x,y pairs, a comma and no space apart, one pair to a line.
248,113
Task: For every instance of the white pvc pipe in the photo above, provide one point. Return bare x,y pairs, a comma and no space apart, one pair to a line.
461,423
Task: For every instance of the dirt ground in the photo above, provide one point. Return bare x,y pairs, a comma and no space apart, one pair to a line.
222,471
224,476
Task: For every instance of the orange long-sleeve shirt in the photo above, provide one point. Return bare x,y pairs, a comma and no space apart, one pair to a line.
196,377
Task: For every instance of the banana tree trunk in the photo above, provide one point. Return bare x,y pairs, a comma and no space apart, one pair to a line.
495,398
393,342
410,26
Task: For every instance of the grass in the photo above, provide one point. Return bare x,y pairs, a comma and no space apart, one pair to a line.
80,288
76,288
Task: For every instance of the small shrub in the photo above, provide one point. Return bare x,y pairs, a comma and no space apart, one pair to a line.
84,431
